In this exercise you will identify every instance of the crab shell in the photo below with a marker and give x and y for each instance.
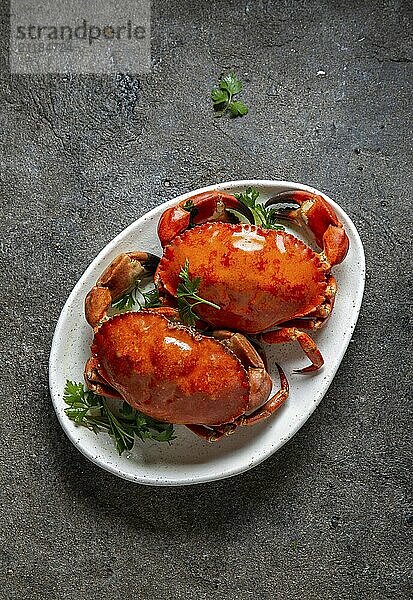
(172, 373)
(260, 278)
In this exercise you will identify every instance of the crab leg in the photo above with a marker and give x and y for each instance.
(201, 208)
(270, 406)
(313, 324)
(292, 334)
(118, 278)
(320, 217)
(213, 434)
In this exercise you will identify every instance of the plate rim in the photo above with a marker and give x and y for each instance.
(236, 468)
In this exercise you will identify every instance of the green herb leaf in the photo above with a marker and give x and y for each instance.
(219, 96)
(189, 206)
(187, 295)
(90, 410)
(264, 217)
(223, 98)
(151, 298)
(126, 302)
(148, 299)
(249, 197)
(238, 109)
(231, 84)
(83, 405)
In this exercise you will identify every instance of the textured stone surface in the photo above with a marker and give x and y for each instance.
(330, 515)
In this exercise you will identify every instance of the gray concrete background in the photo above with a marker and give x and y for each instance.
(330, 515)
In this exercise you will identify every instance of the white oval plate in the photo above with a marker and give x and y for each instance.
(188, 459)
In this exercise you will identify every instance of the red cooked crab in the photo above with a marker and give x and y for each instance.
(168, 371)
(260, 278)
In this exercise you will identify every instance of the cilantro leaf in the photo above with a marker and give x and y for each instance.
(126, 302)
(187, 295)
(90, 410)
(249, 197)
(151, 298)
(264, 217)
(231, 84)
(223, 97)
(238, 109)
(134, 296)
(219, 96)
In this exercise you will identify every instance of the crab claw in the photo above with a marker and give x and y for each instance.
(201, 208)
(119, 277)
(291, 334)
(320, 217)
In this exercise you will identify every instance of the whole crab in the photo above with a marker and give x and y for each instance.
(210, 383)
(260, 278)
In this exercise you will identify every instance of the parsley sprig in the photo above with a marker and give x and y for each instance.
(187, 294)
(223, 97)
(137, 296)
(264, 217)
(90, 410)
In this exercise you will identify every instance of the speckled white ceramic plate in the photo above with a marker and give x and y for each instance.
(188, 459)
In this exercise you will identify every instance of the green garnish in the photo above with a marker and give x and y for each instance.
(222, 97)
(136, 296)
(264, 217)
(90, 410)
(193, 211)
(151, 298)
(187, 294)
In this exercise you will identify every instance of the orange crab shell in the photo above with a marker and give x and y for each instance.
(169, 372)
(259, 277)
